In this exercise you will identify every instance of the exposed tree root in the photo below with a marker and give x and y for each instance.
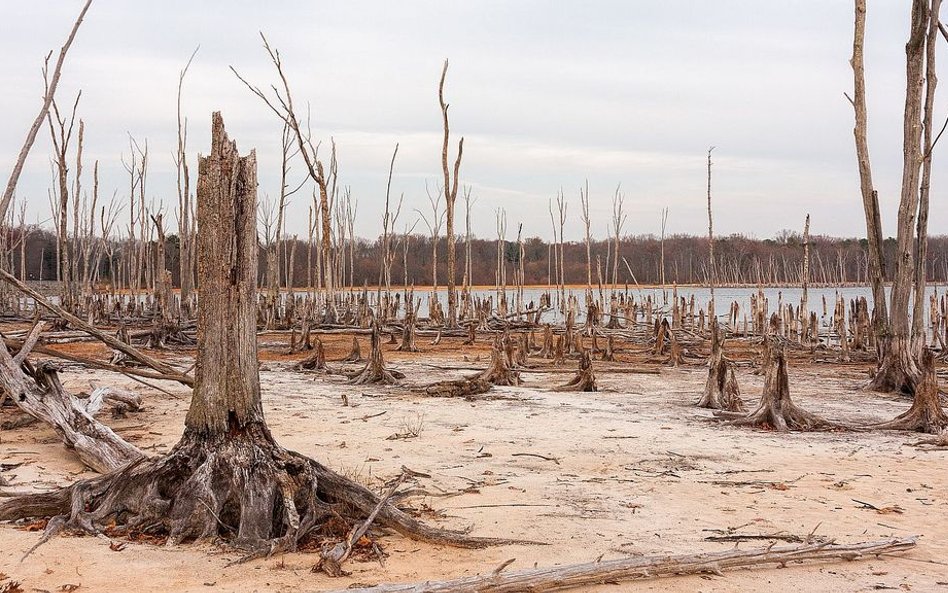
(776, 410)
(243, 489)
(585, 379)
(926, 413)
(721, 391)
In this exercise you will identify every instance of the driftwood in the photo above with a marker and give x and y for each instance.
(40, 394)
(585, 379)
(558, 578)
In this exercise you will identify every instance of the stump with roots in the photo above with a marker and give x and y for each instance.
(471, 333)
(408, 333)
(226, 479)
(315, 361)
(585, 379)
(721, 391)
(608, 354)
(374, 370)
(926, 413)
(776, 410)
(499, 371)
(355, 354)
(559, 354)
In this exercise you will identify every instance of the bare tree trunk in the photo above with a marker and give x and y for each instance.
(450, 196)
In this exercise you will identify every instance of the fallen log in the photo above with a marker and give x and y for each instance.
(558, 578)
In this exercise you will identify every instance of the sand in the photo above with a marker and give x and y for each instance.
(634, 469)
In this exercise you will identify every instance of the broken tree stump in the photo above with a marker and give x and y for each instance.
(721, 391)
(374, 370)
(776, 410)
(499, 371)
(585, 379)
(926, 413)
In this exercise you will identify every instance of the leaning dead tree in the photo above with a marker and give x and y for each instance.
(721, 391)
(776, 410)
(52, 82)
(226, 478)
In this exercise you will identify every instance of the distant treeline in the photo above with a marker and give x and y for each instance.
(740, 260)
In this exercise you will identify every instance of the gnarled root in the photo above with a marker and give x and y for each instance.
(241, 488)
(776, 409)
(926, 413)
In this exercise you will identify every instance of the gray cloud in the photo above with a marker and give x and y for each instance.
(547, 94)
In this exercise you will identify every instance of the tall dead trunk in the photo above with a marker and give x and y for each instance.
(898, 368)
(450, 196)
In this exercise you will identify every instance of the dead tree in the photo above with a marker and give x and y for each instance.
(721, 391)
(52, 82)
(450, 197)
(374, 370)
(712, 275)
(585, 379)
(898, 363)
(776, 410)
(499, 371)
(408, 330)
(226, 478)
(926, 413)
(185, 202)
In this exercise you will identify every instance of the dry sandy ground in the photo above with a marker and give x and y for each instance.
(638, 470)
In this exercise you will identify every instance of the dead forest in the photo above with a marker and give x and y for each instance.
(330, 412)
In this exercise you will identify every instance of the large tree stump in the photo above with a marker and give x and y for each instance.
(374, 370)
(776, 410)
(926, 413)
(355, 354)
(721, 391)
(226, 479)
(315, 361)
(499, 371)
(585, 379)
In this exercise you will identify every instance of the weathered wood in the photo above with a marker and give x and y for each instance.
(585, 379)
(570, 576)
(926, 413)
(721, 391)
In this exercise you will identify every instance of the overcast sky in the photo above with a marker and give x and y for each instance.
(547, 94)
